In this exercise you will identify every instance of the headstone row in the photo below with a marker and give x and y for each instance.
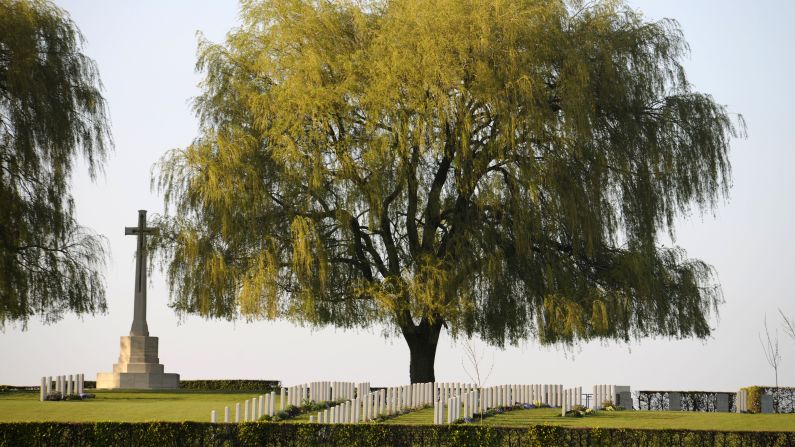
(326, 391)
(71, 385)
(253, 409)
(571, 397)
(383, 402)
(479, 400)
(516, 394)
(458, 399)
(250, 410)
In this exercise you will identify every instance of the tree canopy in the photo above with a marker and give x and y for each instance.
(51, 112)
(503, 169)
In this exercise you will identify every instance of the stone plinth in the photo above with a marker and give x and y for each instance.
(138, 367)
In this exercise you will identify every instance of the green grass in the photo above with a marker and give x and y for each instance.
(131, 406)
(188, 405)
(626, 419)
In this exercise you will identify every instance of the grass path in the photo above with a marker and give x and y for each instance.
(626, 419)
(132, 406)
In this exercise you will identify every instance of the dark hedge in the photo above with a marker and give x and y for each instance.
(230, 385)
(783, 398)
(691, 400)
(187, 434)
(199, 385)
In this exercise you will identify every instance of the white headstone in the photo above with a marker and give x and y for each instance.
(272, 404)
(237, 412)
(226, 414)
(212, 417)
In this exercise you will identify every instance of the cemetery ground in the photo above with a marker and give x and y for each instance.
(191, 405)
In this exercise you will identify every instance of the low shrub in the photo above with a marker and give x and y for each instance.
(292, 411)
(579, 411)
(55, 396)
(608, 405)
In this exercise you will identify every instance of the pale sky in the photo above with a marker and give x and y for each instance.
(741, 53)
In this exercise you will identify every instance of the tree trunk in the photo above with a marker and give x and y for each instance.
(422, 340)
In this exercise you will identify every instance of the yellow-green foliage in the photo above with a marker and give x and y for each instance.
(754, 398)
(500, 167)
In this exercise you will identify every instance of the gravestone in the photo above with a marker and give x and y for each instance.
(623, 396)
(625, 399)
(139, 366)
(675, 401)
(722, 402)
(766, 403)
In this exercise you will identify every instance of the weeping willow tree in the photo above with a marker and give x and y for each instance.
(501, 169)
(51, 112)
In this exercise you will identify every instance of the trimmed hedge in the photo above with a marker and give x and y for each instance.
(691, 400)
(784, 398)
(199, 385)
(230, 385)
(187, 434)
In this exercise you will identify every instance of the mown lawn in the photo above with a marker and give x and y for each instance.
(188, 405)
(627, 419)
(131, 406)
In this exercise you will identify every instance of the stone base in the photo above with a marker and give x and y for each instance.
(138, 367)
(141, 381)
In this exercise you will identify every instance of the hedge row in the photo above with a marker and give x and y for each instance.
(690, 400)
(783, 398)
(201, 385)
(187, 434)
(230, 385)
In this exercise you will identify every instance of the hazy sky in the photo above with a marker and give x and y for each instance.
(741, 54)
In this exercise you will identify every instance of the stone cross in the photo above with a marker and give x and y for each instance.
(139, 326)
